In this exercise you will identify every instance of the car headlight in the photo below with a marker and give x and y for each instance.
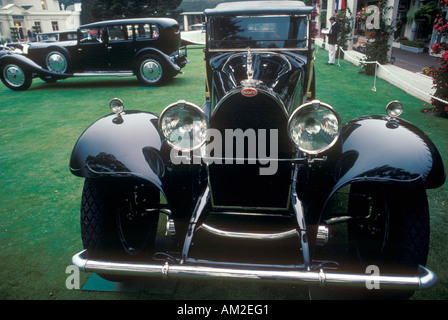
(314, 127)
(184, 126)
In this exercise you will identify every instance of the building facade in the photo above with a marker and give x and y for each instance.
(17, 17)
(416, 30)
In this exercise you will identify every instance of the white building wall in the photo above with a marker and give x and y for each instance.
(49, 18)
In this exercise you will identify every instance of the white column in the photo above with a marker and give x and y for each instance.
(391, 18)
(352, 5)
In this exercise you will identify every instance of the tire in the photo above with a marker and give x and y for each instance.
(57, 61)
(16, 77)
(151, 70)
(118, 221)
(390, 230)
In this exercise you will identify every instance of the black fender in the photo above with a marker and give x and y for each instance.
(120, 146)
(30, 65)
(386, 152)
(394, 152)
(170, 63)
(130, 147)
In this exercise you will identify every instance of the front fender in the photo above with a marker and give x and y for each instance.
(120, 146)
(394, 152)
(29, 64)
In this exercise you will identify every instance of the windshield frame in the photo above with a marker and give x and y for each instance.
(211, 43)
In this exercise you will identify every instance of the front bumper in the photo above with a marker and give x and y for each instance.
(424, 280)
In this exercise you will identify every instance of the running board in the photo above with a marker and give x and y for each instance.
(426, 278)
(99, 74)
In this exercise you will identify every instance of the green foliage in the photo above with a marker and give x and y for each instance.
(120, 9)
(414, 44)
(440, 73)
(344, 19)
(427, 11)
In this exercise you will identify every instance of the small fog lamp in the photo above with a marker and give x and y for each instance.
(116, 105)
(394, 109)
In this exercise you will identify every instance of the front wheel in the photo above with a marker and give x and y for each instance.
(151, 70)
(118, 221)
(390, 228)
(390, 231)
(16, 77)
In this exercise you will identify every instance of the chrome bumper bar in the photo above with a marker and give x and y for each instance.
(424, 280)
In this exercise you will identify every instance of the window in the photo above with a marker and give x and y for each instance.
(37, 27)
(54, 25)
(117, 33)
(91, 35)
(146, 31)
(44, 4)
(259, 32)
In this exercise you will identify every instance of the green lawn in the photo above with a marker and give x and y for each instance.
(40, 199)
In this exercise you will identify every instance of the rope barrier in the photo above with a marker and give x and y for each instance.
(378, 65)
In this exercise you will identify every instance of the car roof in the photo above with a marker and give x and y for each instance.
(164, 22)
(259, 7)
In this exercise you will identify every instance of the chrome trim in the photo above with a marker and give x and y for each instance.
(182, 104)
(104, 73)
(14, 75)
(426, 278)
(193, 261)
(202, 202)
(170, 229)
(315, 104)
(322, 235)
(249, 235)
(300, 217)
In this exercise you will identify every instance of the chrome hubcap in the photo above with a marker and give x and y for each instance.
(56, 62)
(151, 71)
(14, 75)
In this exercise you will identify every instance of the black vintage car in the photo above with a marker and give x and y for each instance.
(262, 182)
(57, 36)
(148, 48)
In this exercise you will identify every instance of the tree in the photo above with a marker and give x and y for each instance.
(440, 74)
(120, 9)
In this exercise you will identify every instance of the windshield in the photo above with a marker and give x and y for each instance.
(259, 32)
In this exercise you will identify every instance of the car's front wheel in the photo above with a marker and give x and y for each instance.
(16, 77)
(118, 221)
(151, 70)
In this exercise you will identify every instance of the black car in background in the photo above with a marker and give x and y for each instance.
(56, 36)
(148, 48)
(263, 182)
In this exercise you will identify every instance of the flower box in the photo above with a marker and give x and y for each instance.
(411, 49)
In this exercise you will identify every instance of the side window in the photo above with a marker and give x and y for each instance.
(130, 32)
(91, 35)
(146, 31)
(154, 31)
(117, 33)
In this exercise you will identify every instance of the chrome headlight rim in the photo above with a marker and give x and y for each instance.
(316, 104)
(182, 104)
